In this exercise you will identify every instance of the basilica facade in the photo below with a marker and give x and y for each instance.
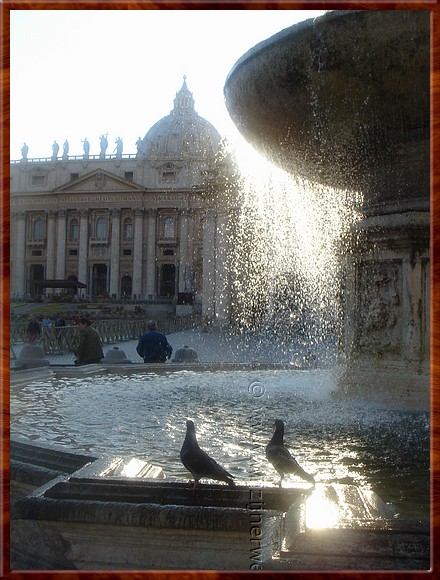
(149, 226)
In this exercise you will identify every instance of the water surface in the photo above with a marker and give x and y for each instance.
(144, 414)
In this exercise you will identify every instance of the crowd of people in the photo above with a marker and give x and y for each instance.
(36, 323)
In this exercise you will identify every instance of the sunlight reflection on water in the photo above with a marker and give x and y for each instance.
(143, 415)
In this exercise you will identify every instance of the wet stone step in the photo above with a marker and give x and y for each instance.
(176, 493)
(344, 542)
(48, 457)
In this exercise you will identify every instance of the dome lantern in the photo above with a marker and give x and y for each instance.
(182, 134)
(184, 100)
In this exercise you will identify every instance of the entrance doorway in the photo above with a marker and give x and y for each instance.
(36, 272)
(126, 287)
(167, 280)
(99, 280)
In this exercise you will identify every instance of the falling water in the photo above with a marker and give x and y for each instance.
(287, 243)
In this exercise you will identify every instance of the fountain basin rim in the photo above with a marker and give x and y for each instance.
(275, 38)
(24, 376)
(288, 98)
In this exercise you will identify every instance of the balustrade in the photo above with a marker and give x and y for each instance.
(61, 339)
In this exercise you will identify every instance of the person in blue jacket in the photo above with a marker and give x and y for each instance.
(153, 345)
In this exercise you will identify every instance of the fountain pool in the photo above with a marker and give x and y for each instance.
(143, 414)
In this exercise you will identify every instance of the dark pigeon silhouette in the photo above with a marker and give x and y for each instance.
(198, 462)
(278, 455)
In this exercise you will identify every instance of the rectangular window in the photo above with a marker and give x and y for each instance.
(169, 227)
(37, 253)
(128, 230)
(169, 176)
(73, 252)
(168, 252)
(38, 180)
(129, 175)
(74, 231)
(74, 176)
(126, 252)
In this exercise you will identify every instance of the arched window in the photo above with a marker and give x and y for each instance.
(128, 229)
(169, 229)
(38, 229)
(101, 228)
(74, 230)
(126, 286)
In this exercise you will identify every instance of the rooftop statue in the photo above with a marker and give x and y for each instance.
(65, 149)
(24, 151)
(55, 149)
(86, 147)
(104, 144)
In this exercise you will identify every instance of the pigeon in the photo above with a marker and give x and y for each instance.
(278, 455)
(198, 461)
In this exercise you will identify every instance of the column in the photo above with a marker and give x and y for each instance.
(61, 245)
(137, 251)
(114, 252)
(83, 247)
(50, 250)
(150, 288)
(183, 253)
(18, 279)
(221, 272)
(208, 284)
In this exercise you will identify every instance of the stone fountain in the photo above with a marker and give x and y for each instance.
(343, 100)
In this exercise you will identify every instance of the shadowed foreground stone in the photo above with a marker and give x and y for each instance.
(32, 356)
(109, 513)
(108, 523)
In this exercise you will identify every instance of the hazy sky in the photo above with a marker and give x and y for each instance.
(81, 73)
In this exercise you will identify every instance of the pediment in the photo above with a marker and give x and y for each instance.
(98, 181)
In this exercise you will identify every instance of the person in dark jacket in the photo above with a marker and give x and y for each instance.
(90, 346)
(153, 345)
(33, 330)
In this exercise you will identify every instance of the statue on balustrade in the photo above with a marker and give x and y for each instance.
(65, 149)
(86, 147)
(119, 147)
(104, 144)
(24, 151)
(55, 149)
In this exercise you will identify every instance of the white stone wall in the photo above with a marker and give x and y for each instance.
(115, 189)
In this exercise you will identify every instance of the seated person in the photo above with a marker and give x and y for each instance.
(153, 345)
(90, 346)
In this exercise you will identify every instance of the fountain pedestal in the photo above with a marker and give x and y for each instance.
(387, 322)
(344, 101)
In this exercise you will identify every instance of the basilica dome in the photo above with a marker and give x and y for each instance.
(182, 133)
